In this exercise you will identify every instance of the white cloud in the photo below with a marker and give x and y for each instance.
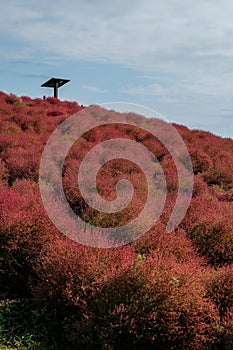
(210, 84)
(147, 90)
(147, 35)
(95, 89)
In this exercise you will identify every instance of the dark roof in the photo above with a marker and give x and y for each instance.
(52, 82)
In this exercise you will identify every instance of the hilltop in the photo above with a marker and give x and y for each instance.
(163, 291)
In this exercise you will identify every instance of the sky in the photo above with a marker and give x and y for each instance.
(174, 56)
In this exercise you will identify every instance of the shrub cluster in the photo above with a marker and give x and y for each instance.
(163, 291)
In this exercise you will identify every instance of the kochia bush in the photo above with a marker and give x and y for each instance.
(162, 291)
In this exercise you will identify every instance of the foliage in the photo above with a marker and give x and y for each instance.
(162, 291)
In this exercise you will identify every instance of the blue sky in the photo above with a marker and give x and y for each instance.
(174, 56)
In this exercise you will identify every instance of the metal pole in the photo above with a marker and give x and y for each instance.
(56, 90)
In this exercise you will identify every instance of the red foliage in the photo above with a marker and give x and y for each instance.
(209, 223)
(220, 289)
(23, 227)
(157, 303)
(165, 291)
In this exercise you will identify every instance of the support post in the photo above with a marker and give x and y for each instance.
(56, 89)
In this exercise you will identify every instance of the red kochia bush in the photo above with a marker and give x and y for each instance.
(23, 226)
(23, 164)
(210, 226)
(157, 303)
(3, 173)
(125, 297)
(164, 291)
(201, 161)
(68, 273)
(175, 244)
(220, 289)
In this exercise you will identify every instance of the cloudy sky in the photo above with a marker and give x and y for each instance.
(174, 56)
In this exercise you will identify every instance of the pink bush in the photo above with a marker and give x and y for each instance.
(163, 291)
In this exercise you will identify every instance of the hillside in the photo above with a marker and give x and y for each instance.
(161, 291)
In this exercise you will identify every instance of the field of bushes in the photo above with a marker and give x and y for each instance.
(162, 291)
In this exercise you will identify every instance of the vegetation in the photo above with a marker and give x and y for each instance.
(163, 291)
